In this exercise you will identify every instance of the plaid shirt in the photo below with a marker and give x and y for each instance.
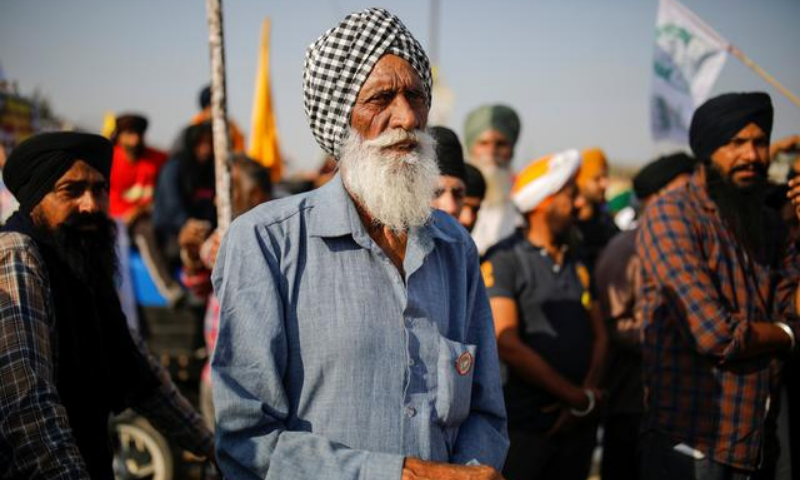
(700, 295)
(35, 437)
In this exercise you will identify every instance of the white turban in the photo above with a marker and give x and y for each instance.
(543, 178)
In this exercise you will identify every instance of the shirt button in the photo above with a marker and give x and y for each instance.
(410, 412)
(410, 362)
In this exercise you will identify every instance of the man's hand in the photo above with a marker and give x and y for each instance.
(566, 420)
(416, 469)
(209, 250)
(787, 144)
(193, 233)
(191, 237)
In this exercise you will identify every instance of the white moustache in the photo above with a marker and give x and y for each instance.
(394, 137)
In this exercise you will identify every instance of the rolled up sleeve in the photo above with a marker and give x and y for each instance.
(670, 251)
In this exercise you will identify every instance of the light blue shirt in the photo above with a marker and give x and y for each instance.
(330, 365)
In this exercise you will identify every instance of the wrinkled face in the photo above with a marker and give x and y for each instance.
(560, 213)
(449, 195)
(492, 148)
(82, 190)
(744, 160)
(393, 97)
(594, 188)
(130, 140)
(469, 212)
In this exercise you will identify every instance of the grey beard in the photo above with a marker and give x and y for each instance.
(395, 189)
(498, 183)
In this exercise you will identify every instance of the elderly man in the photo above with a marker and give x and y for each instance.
(355, 338)
(67, 359)
(490, 134)
(718, 292)
(552, 345)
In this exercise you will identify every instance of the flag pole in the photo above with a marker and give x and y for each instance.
(219, 114)
(763, 74)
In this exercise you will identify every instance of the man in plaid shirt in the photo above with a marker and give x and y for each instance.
(719, 288)
(67, 359)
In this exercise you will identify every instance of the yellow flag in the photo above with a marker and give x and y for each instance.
(264, 132)
(109, 124)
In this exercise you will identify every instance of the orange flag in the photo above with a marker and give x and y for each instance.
(264, 132)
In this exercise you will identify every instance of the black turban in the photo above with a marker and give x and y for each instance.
(658, 173)
(131, 122)
(449, 155)
(476, 184)
(34, 167)
(718, 120)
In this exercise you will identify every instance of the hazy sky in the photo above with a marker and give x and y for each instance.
(578, 71)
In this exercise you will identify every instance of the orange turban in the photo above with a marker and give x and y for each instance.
(594, 161)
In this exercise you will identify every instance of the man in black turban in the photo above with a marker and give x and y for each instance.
(659, 174)
(451, 190)
(731, 135)
(476, 191)
(67, 359)
(719, 120)
(719, 283)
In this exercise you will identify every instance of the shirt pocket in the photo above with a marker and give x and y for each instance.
(455, 369)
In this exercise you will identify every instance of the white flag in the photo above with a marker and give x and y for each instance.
(689, 56)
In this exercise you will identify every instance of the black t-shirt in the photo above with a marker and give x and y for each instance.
(552, 302)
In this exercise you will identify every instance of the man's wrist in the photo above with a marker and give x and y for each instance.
(789, 332)
(592, 401)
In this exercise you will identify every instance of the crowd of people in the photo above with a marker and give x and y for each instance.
(424, 312)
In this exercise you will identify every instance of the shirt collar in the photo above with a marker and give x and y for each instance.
(333, 213)
(435, 230)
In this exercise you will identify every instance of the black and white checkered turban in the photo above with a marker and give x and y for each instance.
(339, 62)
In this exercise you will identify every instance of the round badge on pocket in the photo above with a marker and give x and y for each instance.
(464, 363)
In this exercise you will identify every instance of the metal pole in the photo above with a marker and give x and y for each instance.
(219, 114)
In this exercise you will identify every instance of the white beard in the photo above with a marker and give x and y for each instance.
(396, 189)
(499, 181)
